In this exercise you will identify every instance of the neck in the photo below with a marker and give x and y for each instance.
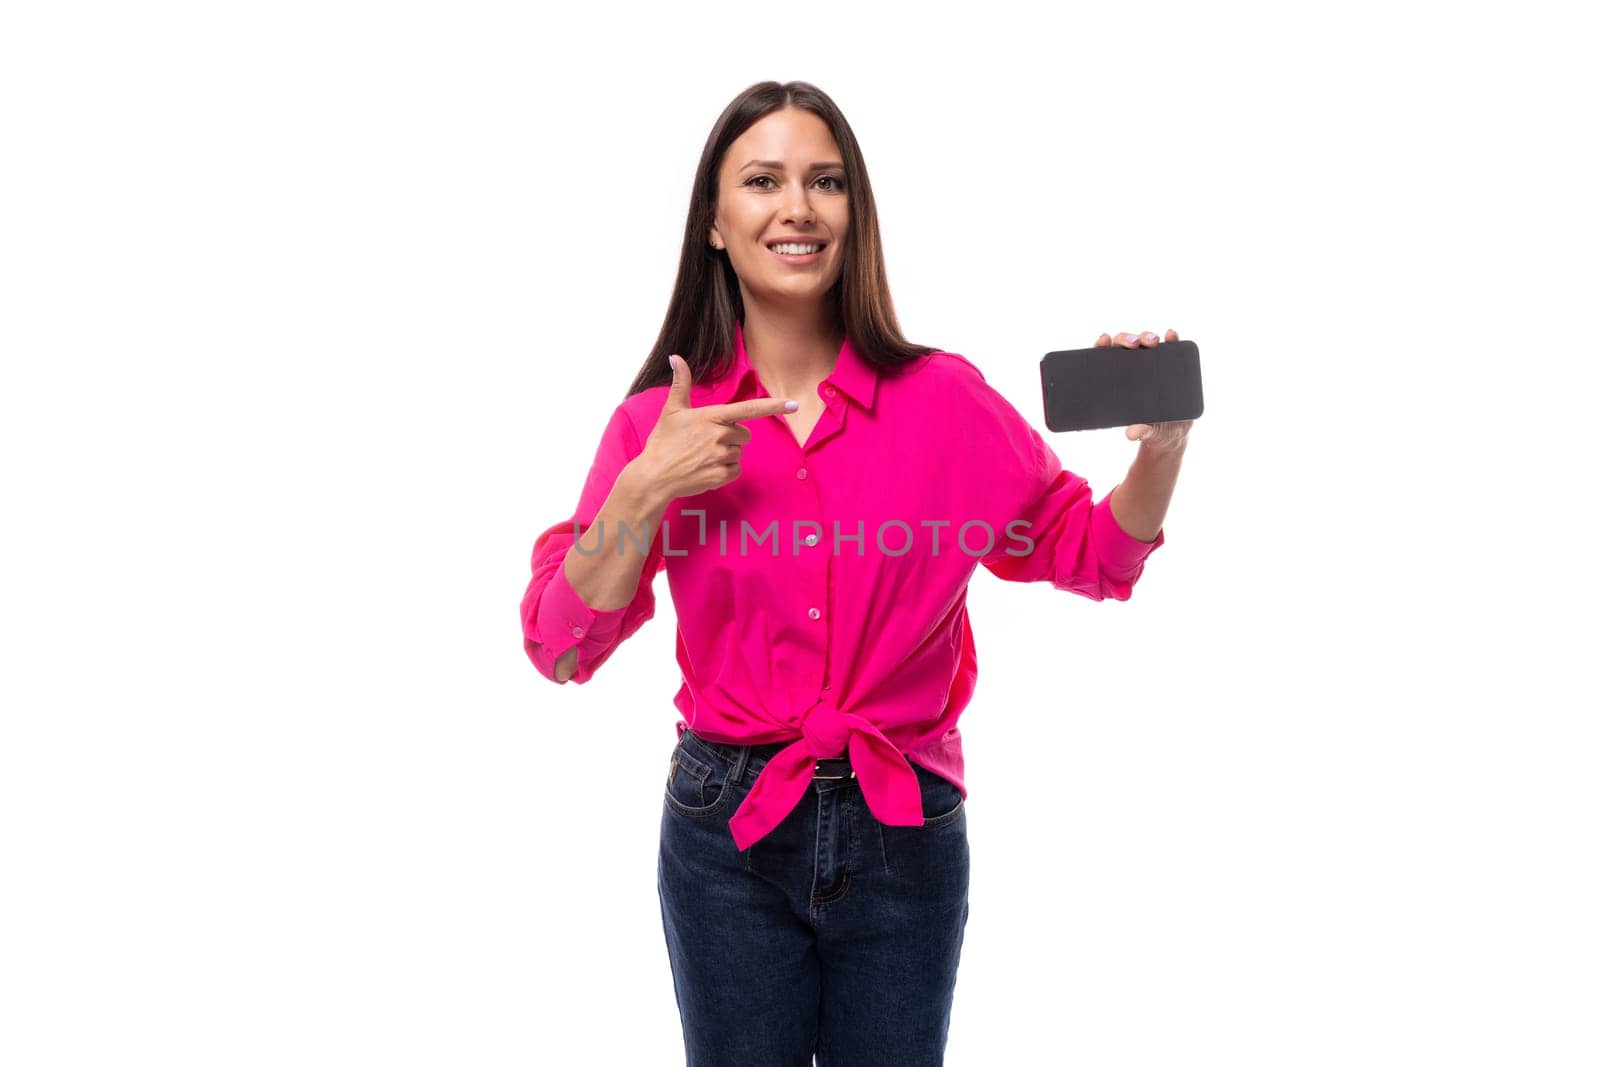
(791, 349)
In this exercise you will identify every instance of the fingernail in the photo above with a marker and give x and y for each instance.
(791, 405)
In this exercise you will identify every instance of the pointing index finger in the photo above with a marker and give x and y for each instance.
(751, 409)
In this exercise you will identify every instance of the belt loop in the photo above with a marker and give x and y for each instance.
(739, 764)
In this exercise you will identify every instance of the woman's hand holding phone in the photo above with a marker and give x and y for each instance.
(1158, 436)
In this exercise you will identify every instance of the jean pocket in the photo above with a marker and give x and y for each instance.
(942, 802)
(697, 783)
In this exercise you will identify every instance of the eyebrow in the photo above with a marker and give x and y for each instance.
(777, 165)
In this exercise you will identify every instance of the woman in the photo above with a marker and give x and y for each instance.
(819, 492)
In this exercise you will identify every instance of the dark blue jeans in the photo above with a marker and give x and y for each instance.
(834, 935)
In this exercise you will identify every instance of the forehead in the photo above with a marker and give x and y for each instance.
(796, 137)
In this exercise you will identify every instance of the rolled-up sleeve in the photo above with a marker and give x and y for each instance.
(555, 618)
(1077, 544)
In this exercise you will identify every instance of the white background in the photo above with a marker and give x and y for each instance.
(313, 313)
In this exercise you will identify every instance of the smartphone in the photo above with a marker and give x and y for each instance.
(1096, 388)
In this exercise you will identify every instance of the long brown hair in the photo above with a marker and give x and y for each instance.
(706, 301)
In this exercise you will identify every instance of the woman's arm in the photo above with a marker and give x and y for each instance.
(1139, 502)
(608, 579)
(569, 631)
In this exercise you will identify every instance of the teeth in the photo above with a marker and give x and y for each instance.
(796, 250)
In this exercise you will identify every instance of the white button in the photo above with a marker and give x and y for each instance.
(801, 473)
(814, 613)
(577, 631)
(811, 539)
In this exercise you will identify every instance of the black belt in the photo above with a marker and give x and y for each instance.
(834, 767)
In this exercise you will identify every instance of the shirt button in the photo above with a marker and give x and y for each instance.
(828, 390)
(577, 631)
(811, 539)
(814, 613)
(801, 473)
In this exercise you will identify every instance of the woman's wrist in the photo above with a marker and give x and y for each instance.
(641, 499)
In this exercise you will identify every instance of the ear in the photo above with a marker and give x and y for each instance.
(716, 239)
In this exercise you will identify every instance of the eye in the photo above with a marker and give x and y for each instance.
(838, 183)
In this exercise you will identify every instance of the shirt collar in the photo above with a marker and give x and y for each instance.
(852, 375)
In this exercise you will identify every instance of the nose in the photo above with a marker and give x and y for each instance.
(797, 206)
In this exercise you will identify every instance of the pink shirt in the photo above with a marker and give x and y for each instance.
(821, 595)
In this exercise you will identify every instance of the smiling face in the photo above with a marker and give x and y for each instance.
(783, 178)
